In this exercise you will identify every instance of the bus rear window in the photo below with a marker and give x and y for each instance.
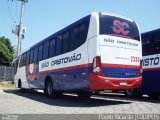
(110, 25)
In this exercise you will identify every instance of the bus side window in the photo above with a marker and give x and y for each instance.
(59, 44)
(24, 59)
(15, 65)
(21, 61)
(157, 37)
(157, 42)
(52, 45)
(28, 57)
(144, 49)
(35, 54)
(40, 52)
(83, 31)
(45, 50)
(148, 44)
(31, 56)
(145, 39)
(74, 39)
(65, 42)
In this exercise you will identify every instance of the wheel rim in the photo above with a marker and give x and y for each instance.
(130, 92)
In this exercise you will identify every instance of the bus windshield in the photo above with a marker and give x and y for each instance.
(111, 25)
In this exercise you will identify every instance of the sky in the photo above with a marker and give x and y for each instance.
(44, 17)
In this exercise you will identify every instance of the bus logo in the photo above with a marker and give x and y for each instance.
(120, 27)
(31, 71)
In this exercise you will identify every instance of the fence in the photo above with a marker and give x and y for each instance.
(6, 73)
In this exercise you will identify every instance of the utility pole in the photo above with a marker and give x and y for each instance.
(20, 26)
(20, 30)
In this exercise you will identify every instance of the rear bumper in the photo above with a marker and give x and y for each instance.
(106, 83)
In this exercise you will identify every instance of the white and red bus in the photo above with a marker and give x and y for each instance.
(101, 51)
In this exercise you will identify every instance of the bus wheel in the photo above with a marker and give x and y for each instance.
(84, 95)
(153, 95)
(133, 93)
(49, 88)
(22, 90)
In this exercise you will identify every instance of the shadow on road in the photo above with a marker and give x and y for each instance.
(67, 100)
(121, 96)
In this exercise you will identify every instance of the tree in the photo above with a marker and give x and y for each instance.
(6, 51)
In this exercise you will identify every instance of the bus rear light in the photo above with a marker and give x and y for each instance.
(97, 66)
(140, 71)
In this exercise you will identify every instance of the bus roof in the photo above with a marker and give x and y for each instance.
(152, 31)
(115, 15)
(72, 25)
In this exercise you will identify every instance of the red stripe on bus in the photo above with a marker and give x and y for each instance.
(67, 68)
(151, 69)
(120, 66)
(89, 65)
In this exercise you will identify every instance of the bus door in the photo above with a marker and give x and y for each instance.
(31, 70)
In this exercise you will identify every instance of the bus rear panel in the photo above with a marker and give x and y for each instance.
(118, 62)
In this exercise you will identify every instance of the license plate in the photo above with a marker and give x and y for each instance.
(123, 83)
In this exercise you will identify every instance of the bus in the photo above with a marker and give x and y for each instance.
(101, 51)
(151, 65)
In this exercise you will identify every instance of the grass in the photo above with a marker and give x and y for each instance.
(6, 85)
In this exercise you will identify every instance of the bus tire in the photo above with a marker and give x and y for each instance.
(84, 95)
(153, 95)
(49, 89)
(22, 90)
(132, 93)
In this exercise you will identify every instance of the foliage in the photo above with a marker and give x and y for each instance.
(6, 51)
(7, 84)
